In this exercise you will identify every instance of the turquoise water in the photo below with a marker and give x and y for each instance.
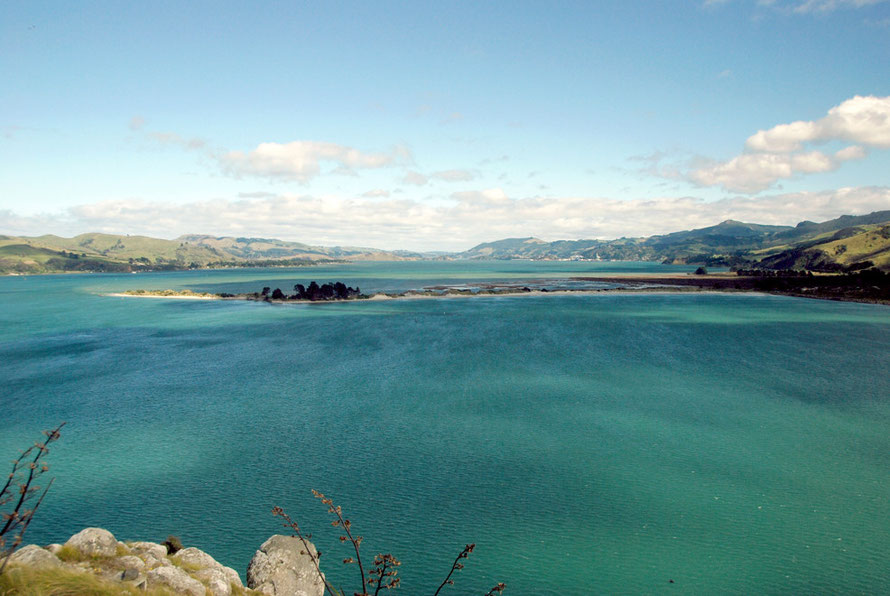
(587, 444)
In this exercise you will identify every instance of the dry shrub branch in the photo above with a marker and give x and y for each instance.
(383, 575)
(20, 491)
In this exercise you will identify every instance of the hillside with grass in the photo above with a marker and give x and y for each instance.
(850, 242)
(834, 245)
(123, 253)
(853, 247)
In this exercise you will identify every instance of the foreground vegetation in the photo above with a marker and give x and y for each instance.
(94, 562)
(28, 581)
(382, 573)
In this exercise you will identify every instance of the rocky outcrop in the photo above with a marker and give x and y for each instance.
(141, 565)
(94, 541)
(176, 580)
(34, 556)
(216, 576)
(282, 567)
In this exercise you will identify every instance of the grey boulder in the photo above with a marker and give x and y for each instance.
(34, 556)
(282, 567)
(94, 541)
(176, 580)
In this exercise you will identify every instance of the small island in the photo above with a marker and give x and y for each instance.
(866, 285)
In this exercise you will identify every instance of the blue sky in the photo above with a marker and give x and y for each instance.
(440, 125)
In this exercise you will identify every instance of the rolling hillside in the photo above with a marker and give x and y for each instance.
(828, 246)
(112, 252)
(848, 242)
(848, 247)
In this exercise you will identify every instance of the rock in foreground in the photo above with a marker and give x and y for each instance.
(124, 567)
(282, 567)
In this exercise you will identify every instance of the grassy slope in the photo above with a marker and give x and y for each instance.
(872, 244)
(843, 247)
(17, 255)
(112, 252)
(123, 248)
(26, 581)
(270, 248)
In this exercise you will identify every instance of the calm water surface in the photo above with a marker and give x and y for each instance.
(598, 443)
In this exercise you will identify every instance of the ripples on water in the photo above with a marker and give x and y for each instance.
(734, 444)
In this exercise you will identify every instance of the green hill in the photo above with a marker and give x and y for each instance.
(828, 246)
(847, 242)
(849, 247)
(18, 256)
(113, 252)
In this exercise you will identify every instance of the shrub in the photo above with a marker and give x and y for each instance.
(173, 544)
(20, 491)
(383, 574)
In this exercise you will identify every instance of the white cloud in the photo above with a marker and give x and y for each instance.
(783, 138)
(415, 178)
(850, 153)
(453, 175)
(864, 120)
(418, 179)
(457, 223)
(302, 160)
(778, 153)
(171, 138)
(376, 193)
(805, 6)
(830, 5)
(754, 172)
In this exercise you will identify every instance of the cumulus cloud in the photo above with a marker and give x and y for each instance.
(302, 160)
(751, 173)
(830, 5)
(260, 194)
(415, 178)
(863, 120)
(850, 153)
(418, 179)
(459, 222)
(805, 6)
(171, 138)
(453, 175)
(779, 152)
(376, 193)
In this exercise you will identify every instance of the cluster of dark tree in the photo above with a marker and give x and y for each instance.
(773, 273)
(269, 263)
(709, 260)
(82, 264)
(865, 284)
(314, 292)
(808, 272)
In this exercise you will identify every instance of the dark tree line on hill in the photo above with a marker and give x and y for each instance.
(314, 292)
(863, 284)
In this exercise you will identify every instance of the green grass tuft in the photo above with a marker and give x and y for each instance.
(27, 581)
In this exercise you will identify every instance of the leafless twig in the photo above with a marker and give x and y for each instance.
(20, 488)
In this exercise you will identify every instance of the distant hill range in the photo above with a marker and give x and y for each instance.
(112, 252)
(848, 242)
